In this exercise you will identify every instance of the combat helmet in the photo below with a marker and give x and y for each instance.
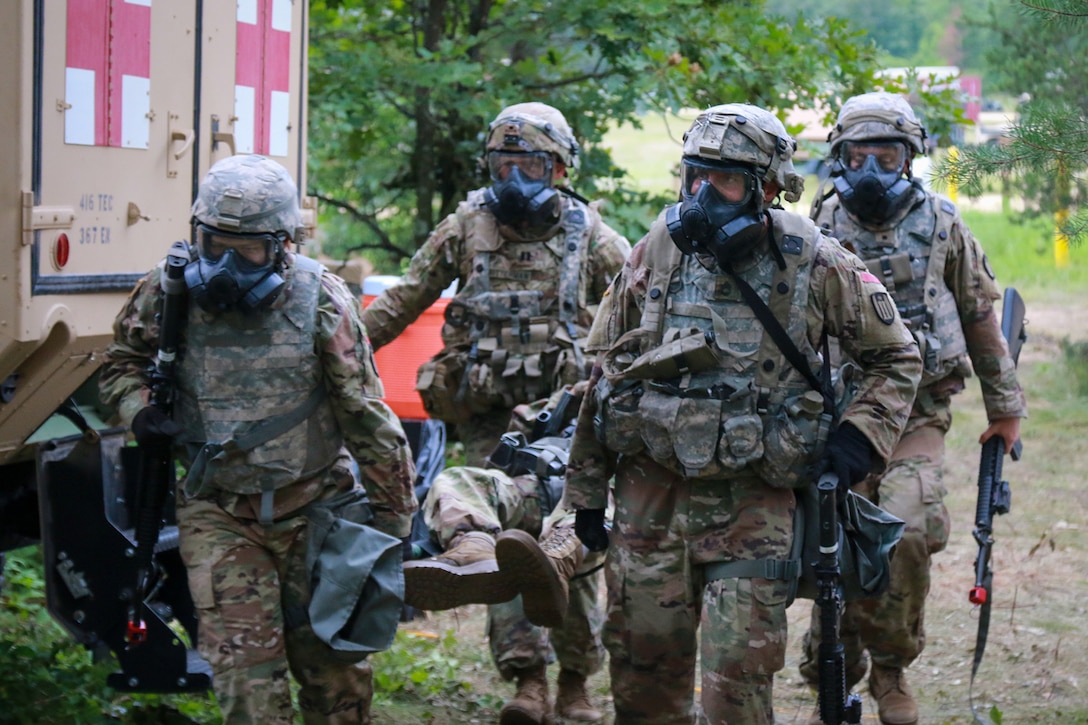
(877, 115)
(533, 127)
(747, 134)
(249, 194)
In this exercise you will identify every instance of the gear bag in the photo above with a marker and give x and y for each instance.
(357, 580)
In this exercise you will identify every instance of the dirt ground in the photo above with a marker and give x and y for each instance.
(1035, 668)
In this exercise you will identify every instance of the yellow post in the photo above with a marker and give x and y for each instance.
(1061, 241)
(952, 189)
(1061, 216)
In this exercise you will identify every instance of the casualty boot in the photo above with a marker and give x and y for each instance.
(572, 701)
(894, 698)
(467, 573)
(530, 705)
(543, 571)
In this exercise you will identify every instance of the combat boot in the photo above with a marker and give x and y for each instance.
(467, 573)
(543, 571)
(572, 701)
(894, 698)
(530, 705)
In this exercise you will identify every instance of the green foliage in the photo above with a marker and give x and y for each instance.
(1043, 55)
(427, 667)
(1075, 357)
(47, 678)
(401, 93)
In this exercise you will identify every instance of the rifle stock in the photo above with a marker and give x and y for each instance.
(836, 704)
(156, 466)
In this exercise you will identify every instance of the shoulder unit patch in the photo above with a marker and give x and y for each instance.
(883, 306)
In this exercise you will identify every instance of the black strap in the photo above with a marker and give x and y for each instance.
(786, 344)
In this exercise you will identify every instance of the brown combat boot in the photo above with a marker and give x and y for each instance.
(894, 698)
(467, 573)
(572, 701)
(543, 571)
(530, 705)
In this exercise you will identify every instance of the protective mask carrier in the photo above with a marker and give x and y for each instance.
(520, 202)
(870, 192)
(231, 282)
(706, 223)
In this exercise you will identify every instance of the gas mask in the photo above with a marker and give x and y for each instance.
(522, 196)
(868, 177)
(719, 213)
(236, 271)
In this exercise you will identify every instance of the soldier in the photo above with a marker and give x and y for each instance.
(531, 260)
(944, 287)
(276, 369)
(512, 503)
(704, 404)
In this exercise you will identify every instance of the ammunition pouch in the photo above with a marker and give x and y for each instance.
(794, 436)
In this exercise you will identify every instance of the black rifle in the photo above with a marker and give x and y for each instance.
(156, 464)
(836, 704)
(994, 494)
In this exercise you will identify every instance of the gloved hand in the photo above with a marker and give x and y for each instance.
(152, 427)
(850, 455)
(590, 529)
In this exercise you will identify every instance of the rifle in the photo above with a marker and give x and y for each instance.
(156, 463)
(994, 494)
(836, 704)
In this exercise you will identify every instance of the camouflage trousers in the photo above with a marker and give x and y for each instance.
(663, 614)
(243, 576)
(465, 499)
(892, 627)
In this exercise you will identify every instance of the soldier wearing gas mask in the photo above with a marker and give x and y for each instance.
(708, 424)
(531, 259)
(942, 283)
(276, 394)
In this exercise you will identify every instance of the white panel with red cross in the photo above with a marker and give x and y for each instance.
(107, 73)
(262, 77)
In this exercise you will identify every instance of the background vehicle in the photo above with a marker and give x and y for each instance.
(113, 110)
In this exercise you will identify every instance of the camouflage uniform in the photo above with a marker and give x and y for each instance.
(243, 535)
(696, 440)
(514, 330)
(475, 499)
(944, 287)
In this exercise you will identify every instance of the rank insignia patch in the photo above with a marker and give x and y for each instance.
(884, 307)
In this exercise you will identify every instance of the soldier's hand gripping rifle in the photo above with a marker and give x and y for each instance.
(994, 494)
(156, 462)
(836, 704)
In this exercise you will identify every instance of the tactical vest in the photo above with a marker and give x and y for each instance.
(910, 260)
(699, 386)
(239, 372)
(513, 333)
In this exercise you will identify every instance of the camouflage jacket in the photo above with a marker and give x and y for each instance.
(930, 231)
(450, 253)
(372, 433)
(843, 300)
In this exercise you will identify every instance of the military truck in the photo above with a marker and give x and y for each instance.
(112, 112)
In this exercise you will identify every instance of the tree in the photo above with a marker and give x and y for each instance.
(1043, 57)
(401, 92)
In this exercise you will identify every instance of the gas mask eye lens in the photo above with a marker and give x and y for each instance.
(533, 166)
(888, 155)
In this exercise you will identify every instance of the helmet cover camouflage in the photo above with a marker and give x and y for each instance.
(249, 194)
(749, 135)
(533, 127)
(877, 115)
